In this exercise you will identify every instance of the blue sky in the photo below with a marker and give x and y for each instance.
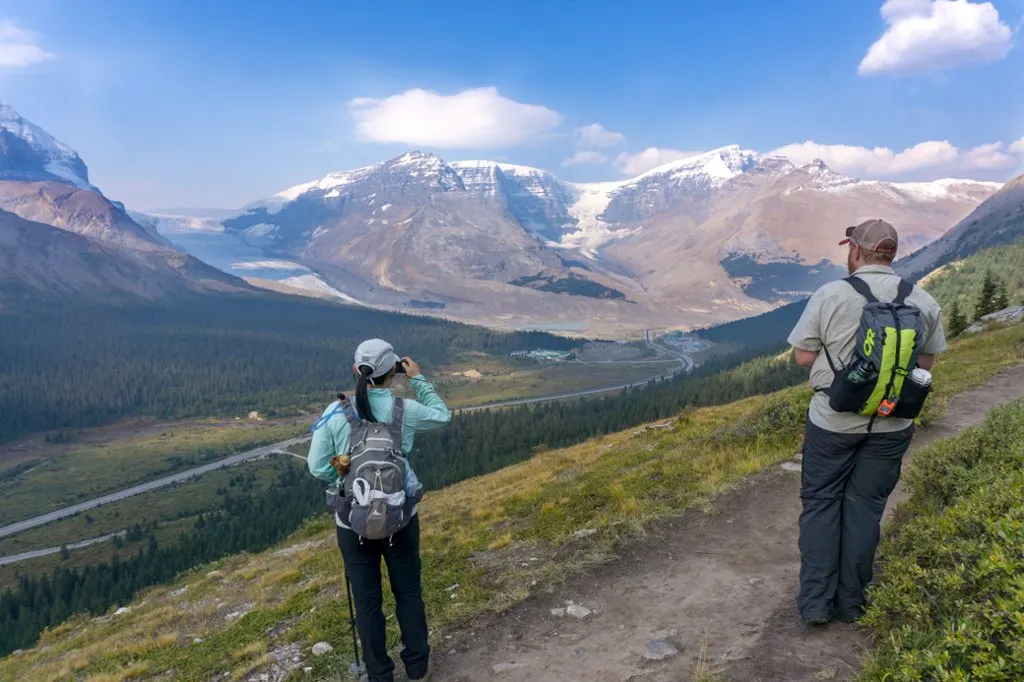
(194, 103)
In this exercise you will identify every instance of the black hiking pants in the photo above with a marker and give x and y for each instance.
(845, 483)
(402, 556)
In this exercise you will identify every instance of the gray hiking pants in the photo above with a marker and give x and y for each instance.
(845, 483)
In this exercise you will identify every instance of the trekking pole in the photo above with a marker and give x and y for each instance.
(352, 620)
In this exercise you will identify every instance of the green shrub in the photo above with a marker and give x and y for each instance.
(950, 604)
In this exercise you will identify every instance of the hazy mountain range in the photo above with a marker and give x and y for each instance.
(709, 238)
(713, 237)
(60, 236)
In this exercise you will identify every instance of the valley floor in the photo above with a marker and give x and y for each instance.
(718, 585)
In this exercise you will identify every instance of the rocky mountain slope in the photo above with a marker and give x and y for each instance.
(62, 236)
(27, 152)
(408, 233)
(40, 262)
(999, 220)
(705, 239)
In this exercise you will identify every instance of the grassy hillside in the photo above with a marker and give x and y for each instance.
(961, 281)
(487, 543)
(950, 604)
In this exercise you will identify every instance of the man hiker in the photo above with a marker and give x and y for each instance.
(869, 341)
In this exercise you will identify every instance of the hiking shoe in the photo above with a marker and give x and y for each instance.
(849, 616)
(427, 675)
(817, 621)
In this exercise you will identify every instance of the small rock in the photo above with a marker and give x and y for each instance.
(197, 640)
(791, 466)
(308, 669)
(558, 613)
(584, 533)
(321, 648)
(499, 668)
(755, 581)
(123, 610)
(659, 650)
(578, 611)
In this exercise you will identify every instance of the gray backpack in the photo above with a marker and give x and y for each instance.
(372, 499)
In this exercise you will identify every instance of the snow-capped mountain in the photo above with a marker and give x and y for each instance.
(27, 152)
(51, 217)
(709, 237)
(539, 201)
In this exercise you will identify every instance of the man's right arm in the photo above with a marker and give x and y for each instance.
(806, 335)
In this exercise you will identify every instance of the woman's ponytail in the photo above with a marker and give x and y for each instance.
(362, 397)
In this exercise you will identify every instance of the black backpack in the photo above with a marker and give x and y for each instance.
(877, 382)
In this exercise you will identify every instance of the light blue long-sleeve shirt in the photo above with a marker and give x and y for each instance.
(427, 412)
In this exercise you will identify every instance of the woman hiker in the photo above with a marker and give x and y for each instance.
(376, 365)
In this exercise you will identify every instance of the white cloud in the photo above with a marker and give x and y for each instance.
(988, 156)
(933, 35)
(596, 136)
(652, 157)
(18, 47)
(882, 161)
(472, 119)
(588, 158)
(877, 161)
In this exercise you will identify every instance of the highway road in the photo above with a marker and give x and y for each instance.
(20, 526)
(685, 365)
(36, 553)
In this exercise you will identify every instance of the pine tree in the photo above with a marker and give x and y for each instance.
(986, 301)
(957, 322)
(1000, 301)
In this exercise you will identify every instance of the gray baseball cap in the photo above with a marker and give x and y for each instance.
(377, 354)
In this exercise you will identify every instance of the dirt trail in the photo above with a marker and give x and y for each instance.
(728, 578)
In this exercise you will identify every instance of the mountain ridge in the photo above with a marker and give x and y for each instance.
(62, 236)
(701, 240)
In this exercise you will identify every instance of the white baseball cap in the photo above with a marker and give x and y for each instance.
(377, 354)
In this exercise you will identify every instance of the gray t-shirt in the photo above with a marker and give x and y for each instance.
(832, 319)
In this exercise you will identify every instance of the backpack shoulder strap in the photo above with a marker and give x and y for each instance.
(397, 420)
(350, 413)
(906, 288)
(862, 288)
